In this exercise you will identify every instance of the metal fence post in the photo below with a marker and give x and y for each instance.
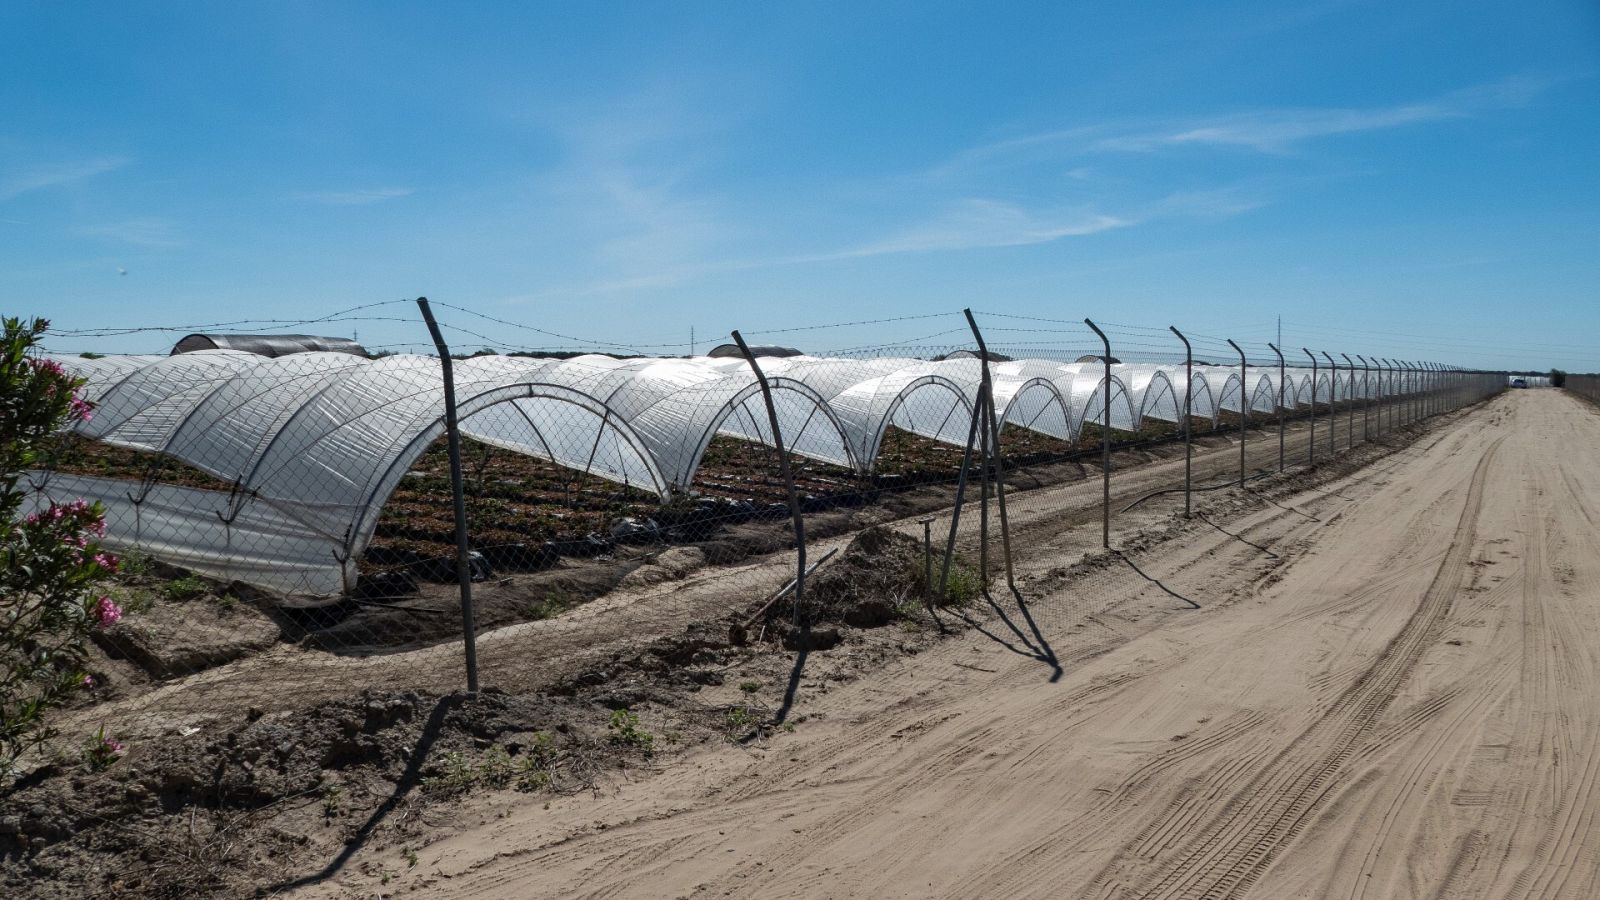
(1402, 390)
(1280, 403)
(1405, 392)
(1105, 444)
(1351, 395)
(469, 630)
(1244, 407)
(1383, 392)
(1394, 394)
(991, 425)
(1399, 393)
(1312, 458)
(984, 452)
(1416, 392)
(788, 475)
(1366, 399)
(1408, 397)
(1188, 400)
(1333, 411)
(955, 509)
(1419, 408)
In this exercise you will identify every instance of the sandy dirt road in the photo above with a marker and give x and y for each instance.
(1400, 704)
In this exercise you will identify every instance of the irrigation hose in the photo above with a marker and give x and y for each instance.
(1260, 473)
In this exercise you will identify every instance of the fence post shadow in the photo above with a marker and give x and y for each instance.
(795, 675)
(409, 779)
(1155, 581)
(1248, 543)
(1031, 644)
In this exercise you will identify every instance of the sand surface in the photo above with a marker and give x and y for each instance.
(1390, 691)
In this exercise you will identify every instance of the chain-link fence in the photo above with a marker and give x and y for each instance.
(1586, 386)
(287, 523)
(289, 532)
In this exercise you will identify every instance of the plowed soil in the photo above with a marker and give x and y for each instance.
(1388, 689)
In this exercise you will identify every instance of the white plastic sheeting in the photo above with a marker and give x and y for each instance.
(313, 444)
(260, 545)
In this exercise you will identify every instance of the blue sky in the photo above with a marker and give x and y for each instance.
(1372, 172)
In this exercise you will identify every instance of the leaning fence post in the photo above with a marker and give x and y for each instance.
(983, 485)
(1280, 403)
(1244, 407)
(788, 475)
(1105, 445)
(1313, 457)
(955, 509)
(469, 630)
(991, 425)
(1188, 400)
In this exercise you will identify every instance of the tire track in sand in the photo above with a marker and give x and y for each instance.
(1231, 852)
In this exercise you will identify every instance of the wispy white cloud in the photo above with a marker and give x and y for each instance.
(1277, 131)
(636, 183)
(142, 232)
(359, 197)
(979, 223)
(1214, 203)
(633, 180)
(972, 224)
(1263, 130)
(51, 175)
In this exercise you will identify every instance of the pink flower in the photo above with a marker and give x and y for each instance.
(49, 366)
(88, 680)
(106, 613)
(101, 751)
(106, 561)
(79, 409)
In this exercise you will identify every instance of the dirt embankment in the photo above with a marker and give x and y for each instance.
(226, 811)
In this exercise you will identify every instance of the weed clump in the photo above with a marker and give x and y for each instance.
(626, 732)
